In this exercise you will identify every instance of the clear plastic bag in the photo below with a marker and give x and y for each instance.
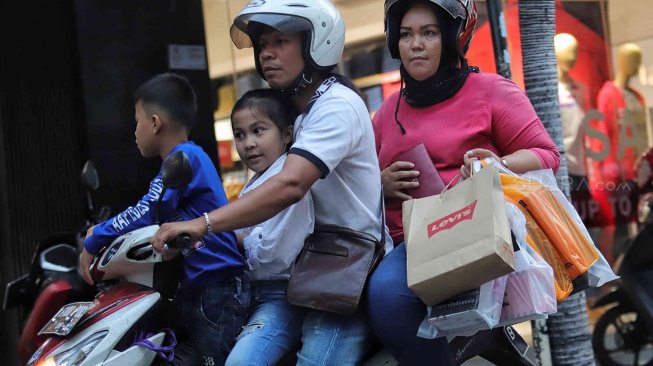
(467, 313)
(565, 244)
(530, 291)
(600, 271)
(574, 247)
(527, 231)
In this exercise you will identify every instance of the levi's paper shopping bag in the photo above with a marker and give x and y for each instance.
(458, 240)
(406, 211)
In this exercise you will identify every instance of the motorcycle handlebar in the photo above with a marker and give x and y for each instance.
(181, 241)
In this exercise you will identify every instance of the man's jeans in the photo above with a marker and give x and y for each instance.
(332, 339)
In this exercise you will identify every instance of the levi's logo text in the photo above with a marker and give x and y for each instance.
(451, 220)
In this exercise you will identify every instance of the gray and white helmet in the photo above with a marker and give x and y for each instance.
(319, 18)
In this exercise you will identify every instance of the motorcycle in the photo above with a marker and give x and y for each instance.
(53, 280)
(123, 324)
(623, 335)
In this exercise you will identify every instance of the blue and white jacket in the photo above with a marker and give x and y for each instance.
(216, 256)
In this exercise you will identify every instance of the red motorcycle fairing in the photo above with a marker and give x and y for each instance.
(53, 297)
(105, 304)
(112, 300)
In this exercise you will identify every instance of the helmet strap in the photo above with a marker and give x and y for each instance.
(303, 80)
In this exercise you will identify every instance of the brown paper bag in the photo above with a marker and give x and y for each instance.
(458, 240)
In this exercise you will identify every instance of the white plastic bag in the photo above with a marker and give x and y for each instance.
(467, 313)
(530, 291)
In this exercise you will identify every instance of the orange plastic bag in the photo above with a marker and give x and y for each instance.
(537, 240)
(573, 247)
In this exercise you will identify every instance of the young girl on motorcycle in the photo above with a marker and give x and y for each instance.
(262, 122)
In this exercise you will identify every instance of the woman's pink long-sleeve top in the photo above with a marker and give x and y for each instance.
(488, 112)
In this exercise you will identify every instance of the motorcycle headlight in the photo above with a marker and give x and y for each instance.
(75, 355)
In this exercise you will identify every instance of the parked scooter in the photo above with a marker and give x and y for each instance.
(623, 335)
(53, 279)
(123, 324)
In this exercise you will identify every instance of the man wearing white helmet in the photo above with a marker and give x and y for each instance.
(296, 45)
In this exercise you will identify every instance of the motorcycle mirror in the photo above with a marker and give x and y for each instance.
(89, 176)
(176, 170)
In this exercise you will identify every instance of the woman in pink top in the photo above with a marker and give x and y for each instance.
(457, 113)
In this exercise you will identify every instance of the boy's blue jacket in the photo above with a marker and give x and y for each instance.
(216, 257)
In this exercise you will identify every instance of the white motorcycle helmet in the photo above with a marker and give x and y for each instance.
(321, 20)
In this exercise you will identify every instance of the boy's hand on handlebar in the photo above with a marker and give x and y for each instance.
(397, 177)
(169, 232)
(85, 259)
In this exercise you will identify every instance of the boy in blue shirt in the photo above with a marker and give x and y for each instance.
(212, 299)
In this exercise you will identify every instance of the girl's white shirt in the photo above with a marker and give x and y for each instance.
(272, 246)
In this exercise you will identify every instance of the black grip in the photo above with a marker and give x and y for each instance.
(181, 241)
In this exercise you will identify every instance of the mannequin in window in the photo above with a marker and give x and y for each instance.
(625, 126)
(624, 116)
(574, 102)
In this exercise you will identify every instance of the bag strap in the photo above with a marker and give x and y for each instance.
(323, 88)
(326, 85)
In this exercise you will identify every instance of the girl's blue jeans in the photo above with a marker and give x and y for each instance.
(273, 327)
(276, 327)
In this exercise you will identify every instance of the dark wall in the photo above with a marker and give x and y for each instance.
(42, 133)
(122, 44)
(68, 69)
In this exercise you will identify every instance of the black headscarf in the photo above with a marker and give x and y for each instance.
(448, 79)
